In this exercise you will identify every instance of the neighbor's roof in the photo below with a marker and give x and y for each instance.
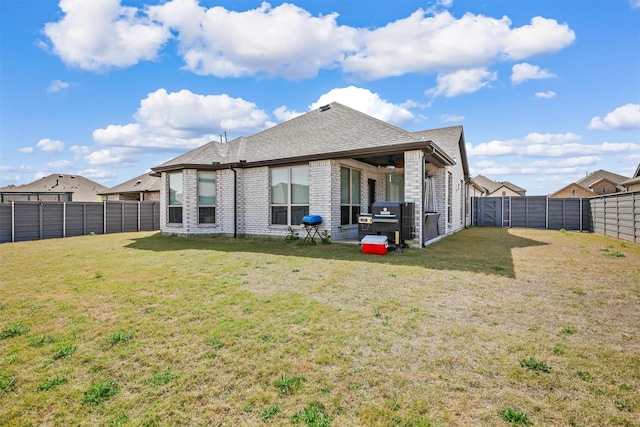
(491, 186)
(332, 131)
(599, 175)
(144, 182)
(83, 189)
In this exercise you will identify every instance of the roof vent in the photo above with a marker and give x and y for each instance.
(138, 182)
(325, 108)
(60, 176)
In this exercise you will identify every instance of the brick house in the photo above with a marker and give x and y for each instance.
(498, 188)
(333, 161)
(141, 188)
(597, 183)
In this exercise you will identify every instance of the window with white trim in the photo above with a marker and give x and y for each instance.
(289, 195)
(206, 197)
(175, 198)
(350, 189)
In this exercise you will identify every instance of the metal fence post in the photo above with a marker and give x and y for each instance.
(64, 219)
(13, 221)
(104, 217)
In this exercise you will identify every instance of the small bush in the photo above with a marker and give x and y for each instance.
(315, 415)
(287, 384)
(51, 383)
(13, 331)
(514, 416)
(100, 392)
(535, 365)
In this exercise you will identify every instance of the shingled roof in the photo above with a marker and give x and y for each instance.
(83, 189)
(331, 131)
(597, 176)
(451, 140)
(144, 182)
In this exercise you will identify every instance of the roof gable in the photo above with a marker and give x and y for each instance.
(598, 175)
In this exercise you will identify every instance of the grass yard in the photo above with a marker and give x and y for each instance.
(489, 327)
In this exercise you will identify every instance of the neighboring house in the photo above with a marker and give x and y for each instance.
(596, 183)
(144, 188)
(632, 184)
(333, 161)
(55, 187)
(498, 189)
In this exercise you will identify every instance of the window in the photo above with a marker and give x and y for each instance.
(573, 192)
(395, 188)
(450, 197)
(349, 196)
(206, 197)
(175, 198)
(289, 195)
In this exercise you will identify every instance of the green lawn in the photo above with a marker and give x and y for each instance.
(485, 327)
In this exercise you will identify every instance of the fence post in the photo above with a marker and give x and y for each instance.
(121, 217)
(139, 216)
(64, 219)
(40, 222)
(581, 213)
(13, 221)
(104, 217)
(546, 213)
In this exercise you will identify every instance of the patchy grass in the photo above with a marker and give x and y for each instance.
(206, 327)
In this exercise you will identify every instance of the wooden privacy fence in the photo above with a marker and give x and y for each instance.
(21, 221)
(616, 215)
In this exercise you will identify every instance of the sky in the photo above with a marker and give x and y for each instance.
(547, 91)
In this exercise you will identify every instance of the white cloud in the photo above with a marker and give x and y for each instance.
(366, 102)
(95, 173)
(635, 4)
(57, 86)
(524, 71)
(99, 34)
(625, 117)
(551, 138)
(108, 157)
(461, 82)
(289, 41)
(50, 146)
(442, 43)
(282, 114)
(542, 35)
(545, 95)
(448, 118)
(550, 145)
(183, 120)
(59, 165)
(579, 161)
(25, 150)
(285, 40)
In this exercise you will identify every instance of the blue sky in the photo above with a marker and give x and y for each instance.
(546, 90)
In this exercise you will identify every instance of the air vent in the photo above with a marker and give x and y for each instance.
(325, 108)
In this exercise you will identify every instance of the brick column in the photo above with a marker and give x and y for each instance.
(413, 189)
